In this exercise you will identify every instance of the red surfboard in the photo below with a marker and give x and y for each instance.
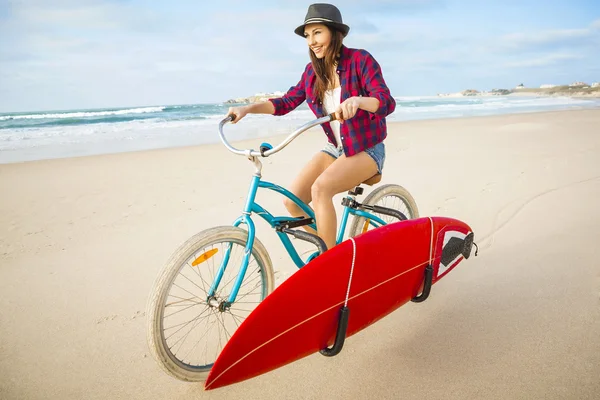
(301, 316)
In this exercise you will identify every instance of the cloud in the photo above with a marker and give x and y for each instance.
(387, 6)
(551, 39)
(547, 38)
(545, 61)
(60, 15)
(363, 26)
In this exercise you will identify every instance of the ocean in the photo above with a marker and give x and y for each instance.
(27, 136)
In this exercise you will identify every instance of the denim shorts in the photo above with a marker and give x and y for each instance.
(376, 152)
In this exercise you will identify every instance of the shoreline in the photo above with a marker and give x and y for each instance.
(217, 142)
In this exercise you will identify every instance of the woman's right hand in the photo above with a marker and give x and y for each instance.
(238, 112)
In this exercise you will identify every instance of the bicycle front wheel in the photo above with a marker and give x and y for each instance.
(390, 196)
(187, 328)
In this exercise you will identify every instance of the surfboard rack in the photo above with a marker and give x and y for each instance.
(307, 237)
(426, 285)
(348, 202)
(340, 335)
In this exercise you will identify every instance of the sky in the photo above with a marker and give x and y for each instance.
(66, 54)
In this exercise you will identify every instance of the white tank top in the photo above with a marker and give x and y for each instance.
(331, 103)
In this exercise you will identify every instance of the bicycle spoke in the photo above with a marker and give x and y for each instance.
(178, 303)
(220, 346)
(256, 281)
(193, 347)
(232, 261)
(227, 334)
(233, 277)
(257, 278)
(184, 338)
(194, 283)
(181, 324)
(241, 310)
(244, 295)
(209, 328)
(241, 317)
(185, 290)
(236, 319)
(185, 324)
(197, 270)
(178, 311)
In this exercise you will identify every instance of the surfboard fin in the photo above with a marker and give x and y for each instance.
(340, 335)
(426, 286)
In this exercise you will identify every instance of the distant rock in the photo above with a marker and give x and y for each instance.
(470, 92)
(576, 89)
(257, 98)
(579, 84)
(473, 92)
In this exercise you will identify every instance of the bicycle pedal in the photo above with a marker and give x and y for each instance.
(357, 191)
(294, 223)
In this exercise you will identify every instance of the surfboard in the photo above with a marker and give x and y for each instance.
(371, 275)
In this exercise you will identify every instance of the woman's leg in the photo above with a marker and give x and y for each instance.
(301, 186)
(343, 174)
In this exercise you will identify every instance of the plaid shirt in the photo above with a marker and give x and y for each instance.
(360, 75)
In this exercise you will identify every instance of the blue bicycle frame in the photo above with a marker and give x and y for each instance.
(246, 218)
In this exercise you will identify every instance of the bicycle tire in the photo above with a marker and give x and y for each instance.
(164, 283)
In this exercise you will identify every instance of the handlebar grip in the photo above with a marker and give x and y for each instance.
(231, 117)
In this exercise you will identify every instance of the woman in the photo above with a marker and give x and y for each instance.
(348, 82)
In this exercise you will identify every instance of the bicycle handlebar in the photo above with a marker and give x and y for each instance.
(279, 147)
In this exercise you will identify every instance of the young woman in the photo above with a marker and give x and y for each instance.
(348, 82)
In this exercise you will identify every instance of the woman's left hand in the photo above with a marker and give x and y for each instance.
(348, 109)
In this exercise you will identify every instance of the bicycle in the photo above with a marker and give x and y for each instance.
(198, 293)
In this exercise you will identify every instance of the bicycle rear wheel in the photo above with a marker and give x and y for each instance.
(186, 329)
(390, 196)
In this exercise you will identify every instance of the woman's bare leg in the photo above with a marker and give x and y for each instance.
(343, 174)
(301, 186)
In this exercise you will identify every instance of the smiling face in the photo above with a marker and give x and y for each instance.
(318, 38)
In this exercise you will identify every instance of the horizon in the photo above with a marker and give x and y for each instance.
(95, 54)
(136, 106)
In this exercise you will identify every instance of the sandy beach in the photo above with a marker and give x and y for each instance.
(82, 240)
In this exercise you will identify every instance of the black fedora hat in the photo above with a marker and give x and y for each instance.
(322, 13)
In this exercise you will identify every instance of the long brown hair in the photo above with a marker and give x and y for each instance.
(324, 67)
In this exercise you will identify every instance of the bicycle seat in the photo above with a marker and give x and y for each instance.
(373, 180)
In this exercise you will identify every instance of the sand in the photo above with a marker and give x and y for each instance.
(82, 240)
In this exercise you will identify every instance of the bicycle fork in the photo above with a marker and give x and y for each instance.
(244, 219)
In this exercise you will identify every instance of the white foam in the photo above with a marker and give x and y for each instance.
(82, 114)
(416, 108)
